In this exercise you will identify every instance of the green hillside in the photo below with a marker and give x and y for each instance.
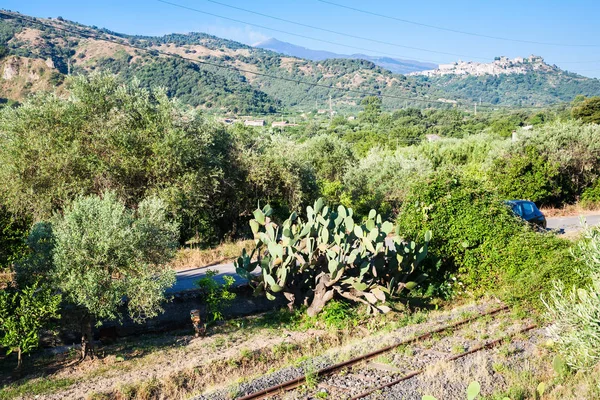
(532, 88)
(224, 76)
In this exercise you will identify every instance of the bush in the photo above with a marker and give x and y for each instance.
(111, 136)
(476, 236)
(23, 314)
(215, 295)
(13, 232)
(591, 196)
(588, 110)
(528, 175)
(330, 256)
(574, 313)
(553, 164)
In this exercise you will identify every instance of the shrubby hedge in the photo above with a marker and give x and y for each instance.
(477, 238)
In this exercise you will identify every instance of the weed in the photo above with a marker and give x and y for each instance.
(310, 375)
(216, 296)
(458, 349)
(34, 387)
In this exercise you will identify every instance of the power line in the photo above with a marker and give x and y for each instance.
(262, 74)
(327, 30)
(337, 33)
(287, 32)
(150, 51)
(453, 30)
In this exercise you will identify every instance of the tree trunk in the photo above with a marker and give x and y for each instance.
(87, 339)
(19, 359)
(321, 297)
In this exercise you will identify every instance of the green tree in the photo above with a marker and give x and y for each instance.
(588, 110)
(372, 109)
(110, 136)
(104, 253)
(23, 314)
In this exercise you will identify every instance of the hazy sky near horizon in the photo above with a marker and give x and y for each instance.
(550, 21)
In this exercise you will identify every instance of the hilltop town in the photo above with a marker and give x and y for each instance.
(501, 65)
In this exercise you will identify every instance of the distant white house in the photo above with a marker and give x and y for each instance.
(282, 124)
(432, 137)
(254, 122)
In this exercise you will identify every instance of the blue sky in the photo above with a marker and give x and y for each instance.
(553, 21)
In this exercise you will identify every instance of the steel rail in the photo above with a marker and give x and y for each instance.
(412, 374)
(296, 382)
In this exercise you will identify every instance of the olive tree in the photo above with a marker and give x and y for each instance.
(106, 256)
(110, 135)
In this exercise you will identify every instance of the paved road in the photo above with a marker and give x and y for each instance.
(572, 224)
(186, 279)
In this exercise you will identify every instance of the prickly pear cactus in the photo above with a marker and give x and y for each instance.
(330, 255)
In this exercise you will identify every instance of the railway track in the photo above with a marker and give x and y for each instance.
(366, 376)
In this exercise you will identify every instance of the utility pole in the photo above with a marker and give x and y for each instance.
(330, 110)
(475, 108)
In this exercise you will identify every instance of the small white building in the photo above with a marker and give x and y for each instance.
(254, 122)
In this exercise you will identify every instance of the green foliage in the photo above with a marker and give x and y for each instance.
(591, 196)
(110, 136)
(100, 253)
(530, 89)
(23, 314)
(478, 237)
(105, 252)
(552, 165)
(372, 109)
(588, 110)
(13, 232)
(338, 315)
(465, 219)
(527, 176)
(575, 312)
(217, 296)
(330, 255)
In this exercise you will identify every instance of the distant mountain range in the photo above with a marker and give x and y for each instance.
(396, 65)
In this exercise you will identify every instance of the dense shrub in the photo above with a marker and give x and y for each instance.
(24, 312)
(109, 136)
(591, 196)
(381, 180)
(553, 164)
(588, 110)
(529, 176)
(477, 237)
(13, 232)
(575, 313)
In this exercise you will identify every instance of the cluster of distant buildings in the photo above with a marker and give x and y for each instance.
(501, 65)
(249, 121)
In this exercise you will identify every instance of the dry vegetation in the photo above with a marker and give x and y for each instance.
(189, 258)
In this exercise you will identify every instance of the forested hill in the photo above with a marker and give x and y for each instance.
(27, 44)
(232, 77)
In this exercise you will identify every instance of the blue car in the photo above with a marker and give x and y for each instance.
(528, 211)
